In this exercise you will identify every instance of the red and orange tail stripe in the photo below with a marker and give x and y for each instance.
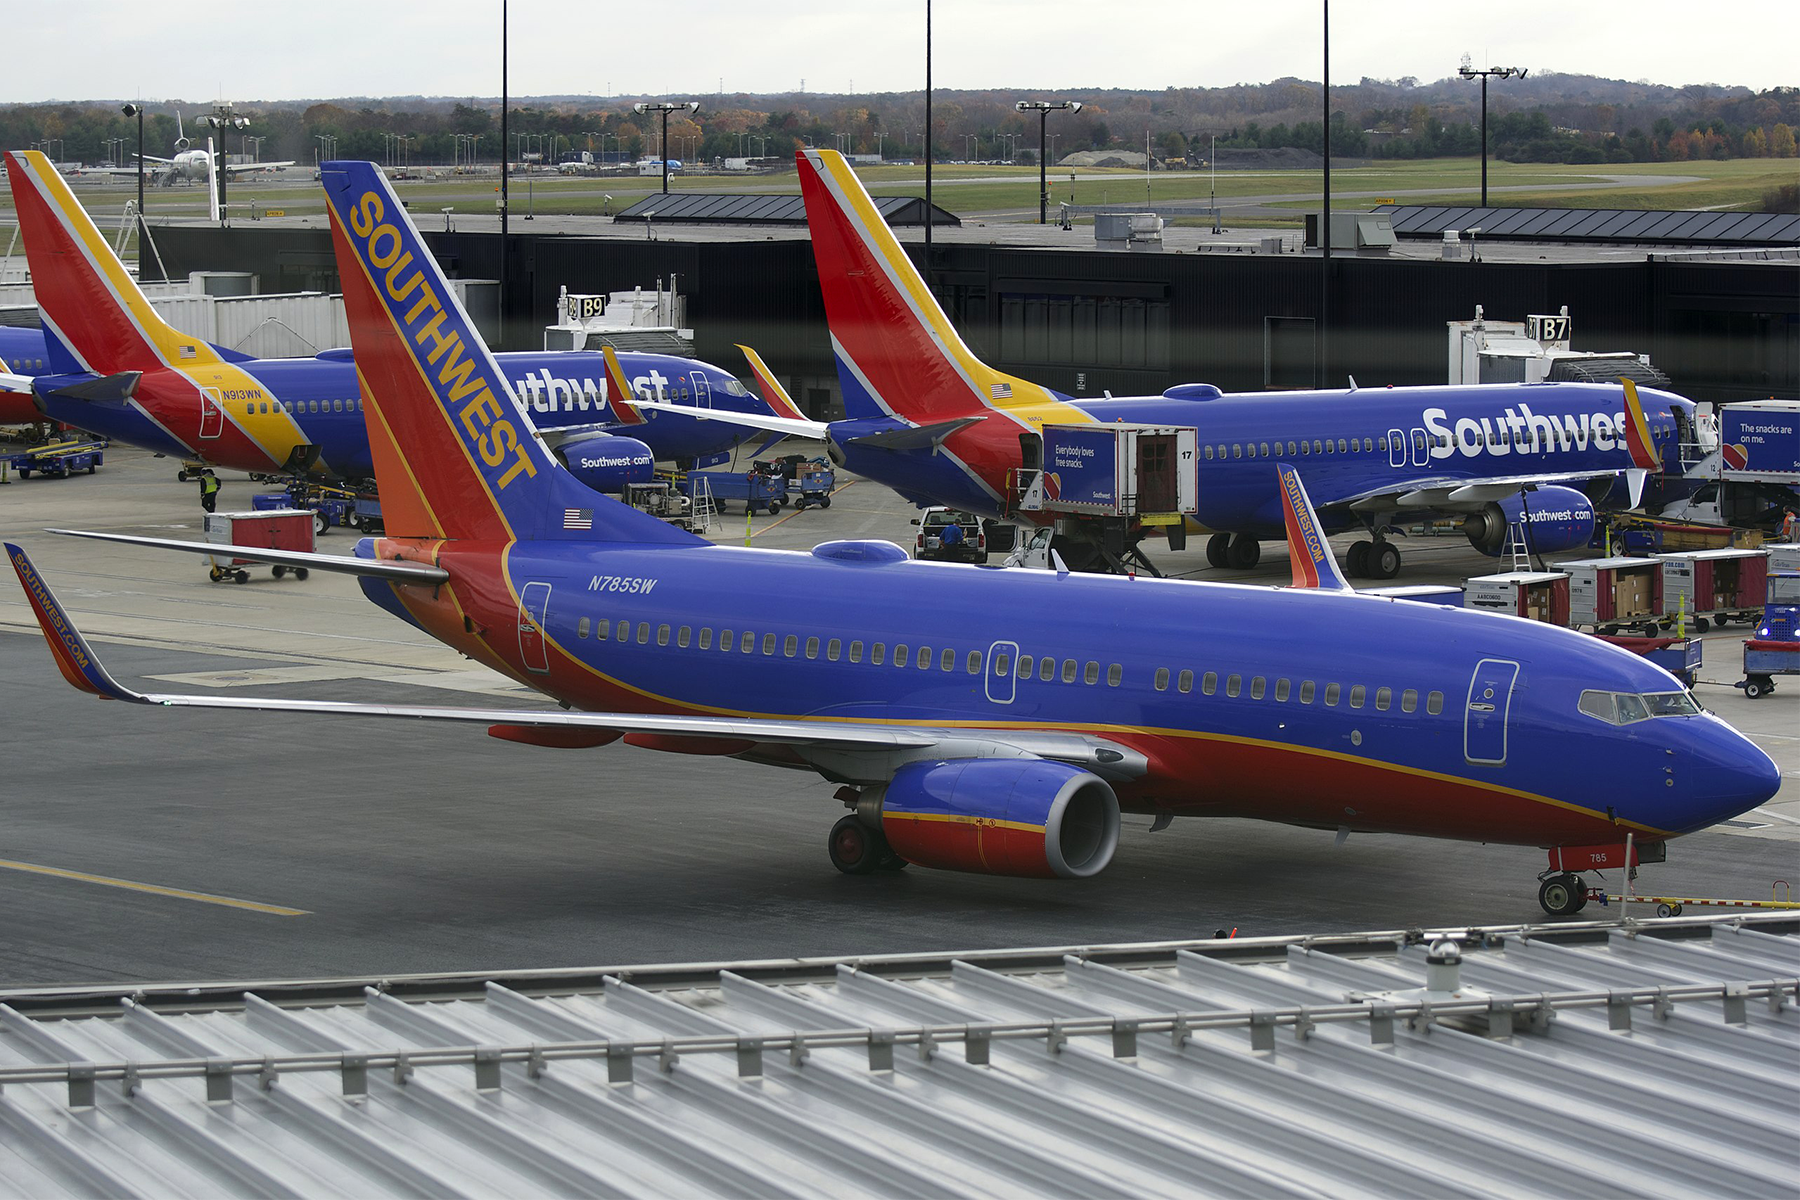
(619, 392)
(773, 394)
(1637, 430)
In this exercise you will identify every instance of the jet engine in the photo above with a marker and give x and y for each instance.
(1556, 518)
(607, 462)
(1002, 816)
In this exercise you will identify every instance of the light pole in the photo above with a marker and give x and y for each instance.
(137, 110)
(1468, 72)
(221, 120)
(1043, 109)
(665, 108)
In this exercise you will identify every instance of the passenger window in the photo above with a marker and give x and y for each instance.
(1115, 675)
(946, 659)
(1341, 447)
(812, 647)
(602, 628)
(877, 653)
(1090, 674)
(974, 662)
(1290, 449)
(1209, 683)
(643, 633)
(1068, 670)
(662, 635)
(726, 639)
(748, 645)
(1184, 682)
(1332, 691)
(1357, 694)
(901, 654)
(1409, 700)
(1434, 703)
(582, 627)
(1209, 452)
(855, 652)
(789, 645)
(1306, 691)
(924, 658)
(624, 631)
(1046, 668)
(1237, 450)
(833, 648)
(1281, 691)
(1303, 446)
(683, 636)
(1002, 664)
(1234, 685)
(706, 637)
(1315, 445)
(1384, 699)
(1256, 688)
(1265, 449)
(1162, 679)
(1025, 664)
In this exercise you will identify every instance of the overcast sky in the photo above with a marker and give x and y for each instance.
(282, 50)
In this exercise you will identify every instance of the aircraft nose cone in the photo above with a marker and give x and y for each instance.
(1731, 775)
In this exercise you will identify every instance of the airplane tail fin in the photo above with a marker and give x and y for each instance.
(96, 319)
(897, 352)
(1637, 431)
(773, 394)
(1314, 565)
(454, 452)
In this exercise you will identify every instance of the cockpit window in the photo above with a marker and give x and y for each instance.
(734, 388)
(1624, 708)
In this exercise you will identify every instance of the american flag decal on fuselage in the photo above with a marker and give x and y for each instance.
(578, 518)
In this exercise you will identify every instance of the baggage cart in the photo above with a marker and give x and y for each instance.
(1716, 586)
(267, 529)
(757, 491)
(1535, 595)
(1610, 594)
(1773, 648)
(59, 460)
(814, 482)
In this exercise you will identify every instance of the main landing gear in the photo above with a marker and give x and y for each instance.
(1235, 551)
(858, 847)
(1378, 559)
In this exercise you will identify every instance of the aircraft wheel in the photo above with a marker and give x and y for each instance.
(216, 574)
(1357, 560)
(279, 571)
(242, 577)
(1218, 549)
(1384, 560)
(1245, 552)
(1562, 895)
(181, 477)
(300, 572)
(855, 848)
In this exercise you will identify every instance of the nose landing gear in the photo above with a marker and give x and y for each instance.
(1562, 893)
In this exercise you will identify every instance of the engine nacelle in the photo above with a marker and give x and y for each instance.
(1002, 816)
(607, 462)
(1556, 518)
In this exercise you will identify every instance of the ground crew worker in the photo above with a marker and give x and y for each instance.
(209, 490)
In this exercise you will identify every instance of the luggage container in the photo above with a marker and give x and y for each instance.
(272, 529)
(1716, 586)
(1535, 595)
(1784, 556)
(1610, 594)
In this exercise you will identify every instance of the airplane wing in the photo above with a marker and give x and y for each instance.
(83, 669)
(792, 427)
(15, 383)
(379, 568)
(244, 168)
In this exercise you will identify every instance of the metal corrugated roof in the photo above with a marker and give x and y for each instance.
(701, 208)
(1575, 1059)
(1598, 225)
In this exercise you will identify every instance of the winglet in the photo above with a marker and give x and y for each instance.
(620, 394)
(1314, 566)
(67, 646)
(773, 394)
(1637, 431)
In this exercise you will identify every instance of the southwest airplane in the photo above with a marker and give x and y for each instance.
(23, 355)
(972, 719)
(929, 419)
(117, 369)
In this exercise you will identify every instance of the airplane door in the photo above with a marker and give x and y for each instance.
(1421, 451)
(1484, 720)
(533, 652)
(1396, 448)
(212, 413)
(702, 391)
(1000, 683)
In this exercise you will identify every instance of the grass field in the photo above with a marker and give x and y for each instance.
(1010, 193)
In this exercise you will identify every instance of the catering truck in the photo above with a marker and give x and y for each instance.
(1752, 478)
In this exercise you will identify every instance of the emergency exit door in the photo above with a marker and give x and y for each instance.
(1484, 718)
(534, 602)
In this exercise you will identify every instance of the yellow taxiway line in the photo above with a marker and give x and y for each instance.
(274, 910)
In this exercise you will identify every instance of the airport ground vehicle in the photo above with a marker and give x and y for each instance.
(59, 460)
(757, 491)
(285, 529)
(946, 535)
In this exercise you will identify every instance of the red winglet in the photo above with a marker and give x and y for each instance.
(67, 646)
